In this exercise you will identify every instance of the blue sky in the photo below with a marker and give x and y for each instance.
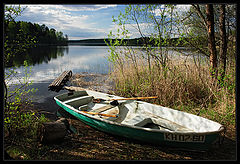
(78, 21)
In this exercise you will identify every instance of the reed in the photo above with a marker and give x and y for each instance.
(183, 84)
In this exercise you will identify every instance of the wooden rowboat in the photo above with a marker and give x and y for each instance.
(141, 120)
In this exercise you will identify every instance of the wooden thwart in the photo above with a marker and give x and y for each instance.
(101, 114)
(58, 83)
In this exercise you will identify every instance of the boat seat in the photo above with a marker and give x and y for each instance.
(144, 122)
(77, 98)
(165, 123)
(123, 112)
(103, 108)
(153, 123)
(149, 123)
(79, 101)
(137, 121)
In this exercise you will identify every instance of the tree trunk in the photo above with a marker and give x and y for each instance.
(211, 40)
(223, 43)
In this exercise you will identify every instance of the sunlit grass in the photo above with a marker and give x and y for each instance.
(184, 85)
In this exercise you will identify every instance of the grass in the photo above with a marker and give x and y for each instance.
(183, 84)
(20, 136)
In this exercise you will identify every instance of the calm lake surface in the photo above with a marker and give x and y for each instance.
(48, 62)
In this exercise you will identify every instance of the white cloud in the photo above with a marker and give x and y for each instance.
(182, 8)
(70, 7)
(147, 29)
(178, 8)
(70, 19)
(86, 7)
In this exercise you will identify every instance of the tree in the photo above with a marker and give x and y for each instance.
(199, 36)
(211, 39)
(223, 44)
(16, 44)
(154, 24)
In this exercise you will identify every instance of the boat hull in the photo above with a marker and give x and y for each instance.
(191, 141)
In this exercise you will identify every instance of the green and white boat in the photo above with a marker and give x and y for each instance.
(141, 120)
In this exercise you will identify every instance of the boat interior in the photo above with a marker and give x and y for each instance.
(136, 113)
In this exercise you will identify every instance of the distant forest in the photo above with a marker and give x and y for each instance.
(129, 42)
(41, 34)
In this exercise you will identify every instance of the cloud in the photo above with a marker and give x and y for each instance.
(183, 8)
(147, 28)
(178, 8)
(83, 21)
(70, 7)
(86, 7)
(73, 20)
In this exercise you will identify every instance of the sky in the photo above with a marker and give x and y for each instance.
(76, 21)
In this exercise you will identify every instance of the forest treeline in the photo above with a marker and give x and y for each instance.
(21, 36)
(131, 42)
(40, 33)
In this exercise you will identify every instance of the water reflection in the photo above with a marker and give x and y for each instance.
(49, 62)
(39, 55)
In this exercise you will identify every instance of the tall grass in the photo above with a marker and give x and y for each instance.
(183, 84)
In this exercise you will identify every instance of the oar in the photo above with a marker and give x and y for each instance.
(136, 98)
(115, 101)
(101, 114)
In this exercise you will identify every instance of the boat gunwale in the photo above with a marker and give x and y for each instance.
(220, 130)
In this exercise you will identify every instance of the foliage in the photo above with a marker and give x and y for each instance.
(182, 81)
(18, 116)
(21, 36)
(193, 27)
(41, 33)
(155, 31)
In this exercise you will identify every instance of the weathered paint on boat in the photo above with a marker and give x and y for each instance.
(189, 140)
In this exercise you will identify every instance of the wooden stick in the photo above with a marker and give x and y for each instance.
(134, 98)
(98, 100)
(101, 114)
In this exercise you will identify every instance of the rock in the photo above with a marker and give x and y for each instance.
(53, 132)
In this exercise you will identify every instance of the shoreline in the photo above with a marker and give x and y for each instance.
(90, 144)
(43, 98)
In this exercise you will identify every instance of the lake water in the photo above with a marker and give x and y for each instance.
(50, 61)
